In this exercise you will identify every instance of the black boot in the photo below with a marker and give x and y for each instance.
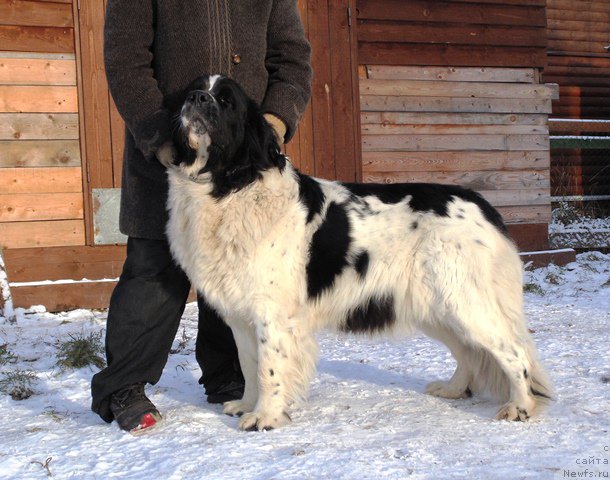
(132, 409)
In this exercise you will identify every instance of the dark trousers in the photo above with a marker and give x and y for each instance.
(143, 318)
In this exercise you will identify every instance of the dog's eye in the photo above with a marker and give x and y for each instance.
(225, 101)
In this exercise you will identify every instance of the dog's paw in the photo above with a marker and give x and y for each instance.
(236, 408)
(259, 421)
(513, 412)
(444, 390)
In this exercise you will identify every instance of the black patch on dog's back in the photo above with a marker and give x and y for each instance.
(328, 250)
(374, 316)
(362, 263)
(428, 197)
(310, 195)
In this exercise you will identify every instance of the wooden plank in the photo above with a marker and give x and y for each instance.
(507, 198)
(451, 55)
(526, 214)
(435, 143)
(52, 99)
(37, 71)
(460, 34)
(422, 88)
(96, 114)
(35, 13)
(36, 39)
(451, 74)
(62, 297)
(452, 161)
(579, 5)
(117, 131)
(344, 93)
(383, 103)
(24, 207)
(449, 12)
(582, 25)
(89, 229)
(480, 181)
(42, 234)
(579, 15)
(531, 3)
(595, 47)
(530, 236)
(39, 126)
(579, 128)
(405, 129)
(62, 263)
(442, 118)
(321, 96)
(34, 154)
(41, 180)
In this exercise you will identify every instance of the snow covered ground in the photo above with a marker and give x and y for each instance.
(367, 416)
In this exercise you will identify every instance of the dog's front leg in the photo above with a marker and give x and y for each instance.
(275, 354)
(247, 350)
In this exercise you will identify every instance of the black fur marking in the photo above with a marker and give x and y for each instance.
(362, 263)
(374, 316)
(310, 195)
(271, 372)
(243, 143)
(414, 225)
(328, 250)
(536, 393)
(426, 197)
(525, 374)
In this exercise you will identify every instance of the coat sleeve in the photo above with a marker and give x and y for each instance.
(288, 64)
(128, 58)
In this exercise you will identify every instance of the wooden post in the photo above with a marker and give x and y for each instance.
(6, 301)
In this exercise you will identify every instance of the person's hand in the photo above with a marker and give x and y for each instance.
(279, 127)
(167, 154)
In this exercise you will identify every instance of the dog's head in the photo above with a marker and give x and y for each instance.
(224, 136)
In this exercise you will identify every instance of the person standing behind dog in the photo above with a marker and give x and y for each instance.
(153, 49)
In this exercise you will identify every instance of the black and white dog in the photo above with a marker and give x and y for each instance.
(280, 255)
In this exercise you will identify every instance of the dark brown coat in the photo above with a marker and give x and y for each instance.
(155, 48)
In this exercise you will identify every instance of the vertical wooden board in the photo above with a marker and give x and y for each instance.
(37, 71)
(345, 118)
(88, 213)
(117, 126)
(305, 131)
(321, 100)
(96, 107)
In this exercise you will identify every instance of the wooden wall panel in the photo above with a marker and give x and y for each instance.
(578, 61)
(41, 200)
(452, 33)
(484, 129)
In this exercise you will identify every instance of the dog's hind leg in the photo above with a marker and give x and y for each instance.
(504, 362)
(245, 339)
(459, 384)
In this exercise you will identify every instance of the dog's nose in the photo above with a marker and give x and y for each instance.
(199, 97)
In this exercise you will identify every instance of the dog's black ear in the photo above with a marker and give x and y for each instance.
(260, 141)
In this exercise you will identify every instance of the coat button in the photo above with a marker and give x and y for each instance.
(236, 58)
